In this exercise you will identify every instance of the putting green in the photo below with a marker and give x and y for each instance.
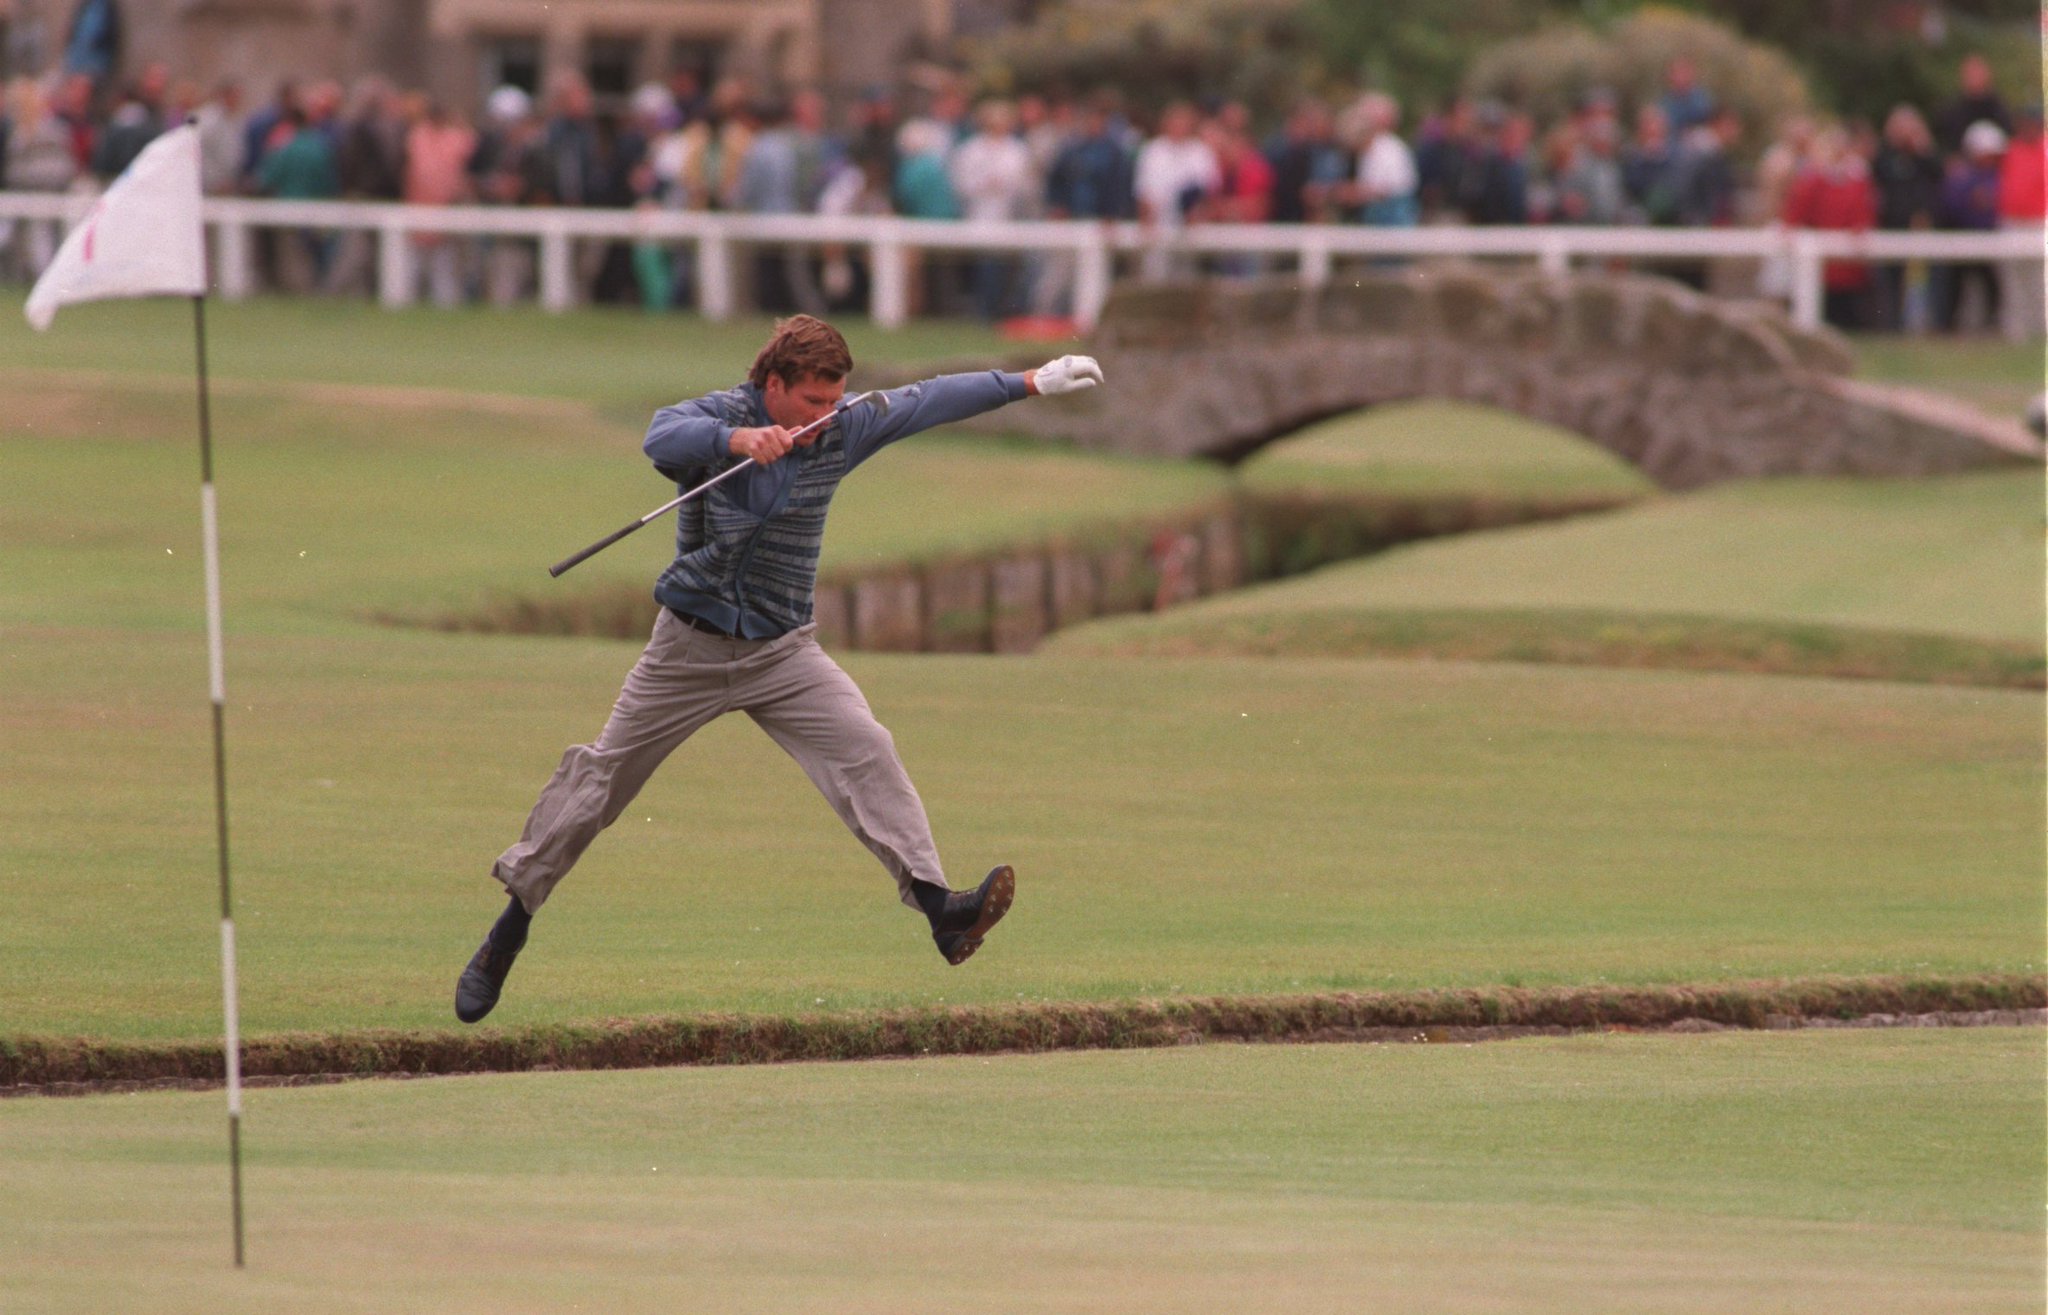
(1894, 1171)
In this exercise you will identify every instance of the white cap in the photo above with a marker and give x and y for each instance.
(652, 101)
(1984, 138)
(508, 104)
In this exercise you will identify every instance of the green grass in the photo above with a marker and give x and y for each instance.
(1290, 827)
(1586, 638)
(624, 361)
(1271, 827)
(1432, 449)
(1957, 557)
(1894, 1171)
(339, 504)
(1998, 377)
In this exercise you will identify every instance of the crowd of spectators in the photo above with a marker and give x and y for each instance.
(1678, 159)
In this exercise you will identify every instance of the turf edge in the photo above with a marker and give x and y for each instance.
(31, 1062)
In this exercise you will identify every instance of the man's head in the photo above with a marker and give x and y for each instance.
(802, 371)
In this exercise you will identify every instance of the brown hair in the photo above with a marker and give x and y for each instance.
(802, 347)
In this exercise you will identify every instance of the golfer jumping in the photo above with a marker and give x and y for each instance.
(735, 634)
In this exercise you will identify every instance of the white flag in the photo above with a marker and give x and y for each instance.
(143, 237)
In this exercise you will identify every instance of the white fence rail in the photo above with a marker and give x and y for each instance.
(890, 244)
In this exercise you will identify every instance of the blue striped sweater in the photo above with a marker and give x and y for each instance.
(747, 551)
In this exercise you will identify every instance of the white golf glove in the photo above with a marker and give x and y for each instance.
(1069, 374)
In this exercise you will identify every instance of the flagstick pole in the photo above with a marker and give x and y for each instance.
(209, 521)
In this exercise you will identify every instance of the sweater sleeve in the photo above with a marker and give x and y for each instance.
(685, 435)
(926, 405)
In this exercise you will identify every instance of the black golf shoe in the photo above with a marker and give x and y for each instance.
(967, 915)
(476, 991)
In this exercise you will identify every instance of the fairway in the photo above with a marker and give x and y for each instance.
(1312, 826)
(1438, 448)
(1326, 826)
(1818, 1171)
(1955, 558)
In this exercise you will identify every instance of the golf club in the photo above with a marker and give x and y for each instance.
(877, 398)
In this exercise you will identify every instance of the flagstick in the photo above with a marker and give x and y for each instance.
(217, 678)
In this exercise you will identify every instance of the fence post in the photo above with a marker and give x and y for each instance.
(395, 278)
(889, 270)
(231, 259)
(1806, 280)
(1092, 273)
(1315, 264)
(557, 284)
(714, 277)
(1554, 257)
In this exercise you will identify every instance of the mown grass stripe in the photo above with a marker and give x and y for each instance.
(32, 1061)
(1584, 638)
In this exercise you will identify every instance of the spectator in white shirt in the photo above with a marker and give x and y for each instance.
(1175, 172)
(995, 180)
(1386, 184)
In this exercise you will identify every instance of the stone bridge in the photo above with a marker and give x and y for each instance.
(1689, 388)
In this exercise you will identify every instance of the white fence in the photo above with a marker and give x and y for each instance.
(890, 244)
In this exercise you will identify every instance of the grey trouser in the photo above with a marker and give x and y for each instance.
(684, 679)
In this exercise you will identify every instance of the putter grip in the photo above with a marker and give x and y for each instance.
(595, 548)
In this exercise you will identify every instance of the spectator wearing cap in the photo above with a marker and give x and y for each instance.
(2022, 199)
(1969, 203)
(506, 169)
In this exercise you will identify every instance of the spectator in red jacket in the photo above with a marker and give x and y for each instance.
(2022, 202)
(1835, 192)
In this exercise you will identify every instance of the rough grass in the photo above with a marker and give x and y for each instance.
(45, 1062)
(1893, 1171)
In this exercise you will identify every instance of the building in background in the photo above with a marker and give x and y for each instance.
(459, 49)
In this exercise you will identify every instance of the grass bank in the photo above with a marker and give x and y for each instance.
(33, 1062)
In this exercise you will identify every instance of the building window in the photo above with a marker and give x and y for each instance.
(510, 61)
(698, 56)
(610, 64)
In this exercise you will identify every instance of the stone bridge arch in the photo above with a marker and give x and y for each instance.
(1689, 388)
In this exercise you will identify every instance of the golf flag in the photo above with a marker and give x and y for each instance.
(142, 238)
